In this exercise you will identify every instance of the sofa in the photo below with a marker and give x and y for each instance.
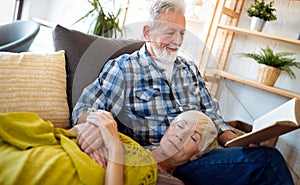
(50, 84)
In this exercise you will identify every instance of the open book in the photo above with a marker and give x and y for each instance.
(281, 120)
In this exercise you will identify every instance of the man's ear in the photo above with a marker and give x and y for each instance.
(146, 32)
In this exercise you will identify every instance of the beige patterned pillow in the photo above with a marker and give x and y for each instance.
(35, 82)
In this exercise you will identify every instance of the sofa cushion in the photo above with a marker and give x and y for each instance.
(86, 55)
(35, 82)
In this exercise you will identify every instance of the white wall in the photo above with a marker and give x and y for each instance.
(63, 12)
(7, 11)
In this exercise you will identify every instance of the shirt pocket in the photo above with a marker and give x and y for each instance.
(147, 94)
(148, 103)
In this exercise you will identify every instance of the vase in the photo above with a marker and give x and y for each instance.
(267, 75)
(257, 24)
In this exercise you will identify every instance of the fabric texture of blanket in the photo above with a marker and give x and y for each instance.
(33, 151)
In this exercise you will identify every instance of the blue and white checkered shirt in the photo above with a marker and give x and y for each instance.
(141, 97)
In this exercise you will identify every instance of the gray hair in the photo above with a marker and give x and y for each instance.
(157, 7)
(209, 134)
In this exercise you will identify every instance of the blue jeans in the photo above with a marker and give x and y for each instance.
(237, 166)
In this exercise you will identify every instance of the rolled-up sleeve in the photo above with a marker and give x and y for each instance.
(105, 93)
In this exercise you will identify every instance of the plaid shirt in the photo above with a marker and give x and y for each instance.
(140, 97)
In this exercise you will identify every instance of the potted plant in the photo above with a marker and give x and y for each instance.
(104, 23)
(260, 12)
(271, 64)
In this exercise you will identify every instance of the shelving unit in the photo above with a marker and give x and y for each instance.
(223, 30)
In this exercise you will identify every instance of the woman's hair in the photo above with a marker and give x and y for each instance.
(157, 7)
(209, 132)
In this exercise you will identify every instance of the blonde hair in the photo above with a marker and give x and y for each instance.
(209, 132)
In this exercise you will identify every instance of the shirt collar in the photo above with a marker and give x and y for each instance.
(144, 57)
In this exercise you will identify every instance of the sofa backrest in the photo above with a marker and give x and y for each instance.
(85, 57)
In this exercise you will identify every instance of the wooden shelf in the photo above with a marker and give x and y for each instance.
(236, 78)
(259, 34)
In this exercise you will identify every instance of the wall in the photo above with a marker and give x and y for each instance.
(64, 12)
(7, 11)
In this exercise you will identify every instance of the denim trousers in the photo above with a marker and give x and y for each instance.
(237, 166)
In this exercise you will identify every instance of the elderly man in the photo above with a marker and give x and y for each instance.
(147, 89)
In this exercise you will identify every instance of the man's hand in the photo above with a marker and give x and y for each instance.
(226, 136)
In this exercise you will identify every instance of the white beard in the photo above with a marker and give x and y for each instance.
(164, 56)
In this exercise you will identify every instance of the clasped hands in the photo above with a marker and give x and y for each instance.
(98, 136)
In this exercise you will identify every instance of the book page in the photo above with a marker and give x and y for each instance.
(281, 120)
(288, 111)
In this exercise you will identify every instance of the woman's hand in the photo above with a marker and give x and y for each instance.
(109, 132)
(98, 134)
(89, 138)
(111, 139)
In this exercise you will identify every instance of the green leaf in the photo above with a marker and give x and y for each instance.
(103, 23)
(280, 60)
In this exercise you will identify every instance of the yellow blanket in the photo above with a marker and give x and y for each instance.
(32, 151)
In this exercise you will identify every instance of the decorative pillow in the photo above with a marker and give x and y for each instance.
(35, 82)
(86, 55)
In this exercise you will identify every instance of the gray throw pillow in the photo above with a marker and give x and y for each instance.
(85, 57)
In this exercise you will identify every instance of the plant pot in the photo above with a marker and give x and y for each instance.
(267, 75)
(257, 24)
